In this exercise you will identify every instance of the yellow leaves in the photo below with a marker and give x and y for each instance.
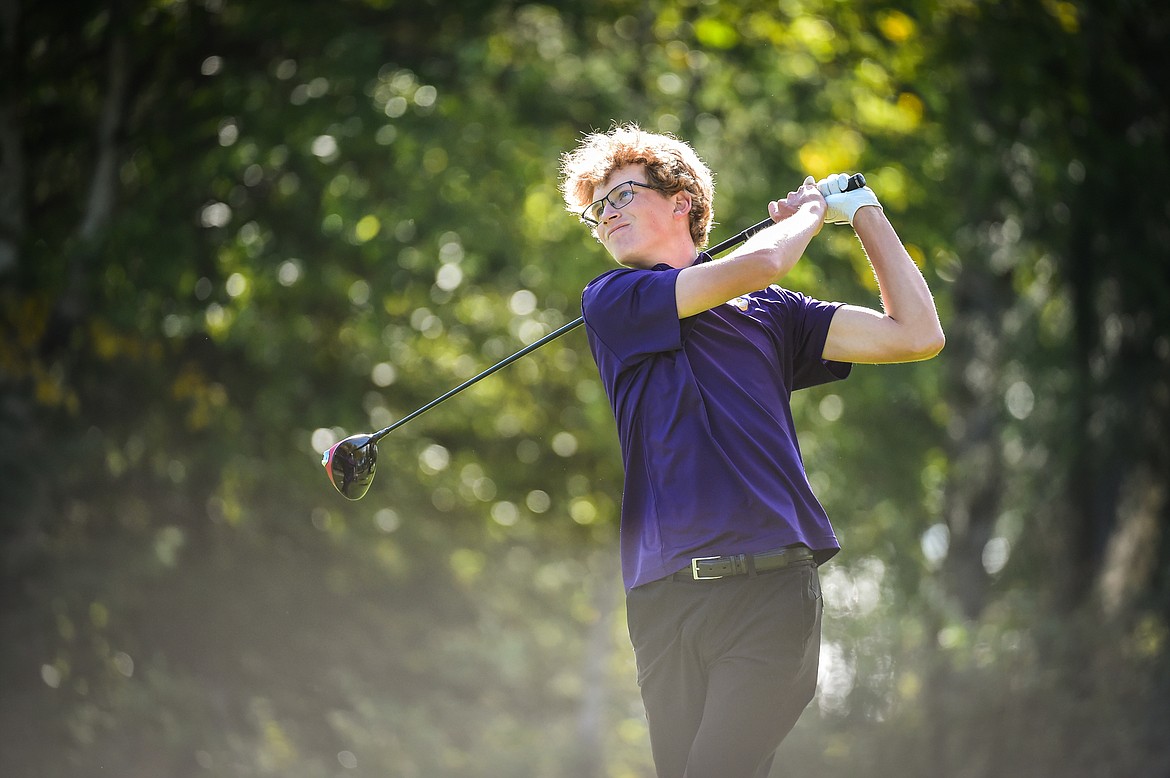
(583, 511)
(276, 752)
(891, 185)
(499, 53)
(24, 323)
(435, 160)
(806, 34)
(106, 343)
(28, 324)
(218, 321)
(367, 228)
(24, 328)
(49, 388)
(909, 686)
(1149, 638)
(1065, 14)
(99, 615)
(799, 65)
(896, 26)
(207, 397)
(816, 35)
(835, 150)
(901, 116)
(910, 106)
(878, 107)
(766, 26)
(467, 564)
(715, 34)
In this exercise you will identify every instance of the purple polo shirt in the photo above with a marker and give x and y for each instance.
(712, 464)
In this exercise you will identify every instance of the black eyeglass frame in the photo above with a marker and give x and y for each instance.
(585, 217)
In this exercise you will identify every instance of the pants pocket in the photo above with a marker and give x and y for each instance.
(652, 632)
(813, 604)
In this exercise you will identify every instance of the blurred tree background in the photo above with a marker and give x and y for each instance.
(233, 232)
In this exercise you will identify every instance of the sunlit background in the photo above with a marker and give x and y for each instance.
(234, 233)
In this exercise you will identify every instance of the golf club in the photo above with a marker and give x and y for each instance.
(350, 464)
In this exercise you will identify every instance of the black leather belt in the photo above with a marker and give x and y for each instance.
(710, 568)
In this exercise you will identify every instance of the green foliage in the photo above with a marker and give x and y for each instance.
(233, 233)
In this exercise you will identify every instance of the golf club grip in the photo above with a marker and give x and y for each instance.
(856, 181)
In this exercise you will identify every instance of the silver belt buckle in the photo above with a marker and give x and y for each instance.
(695, 568)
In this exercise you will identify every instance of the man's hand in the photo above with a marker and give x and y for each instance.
(841, 206)
(763, 259)
(808, 197)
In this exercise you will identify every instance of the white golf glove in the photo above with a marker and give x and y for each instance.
(842, 206)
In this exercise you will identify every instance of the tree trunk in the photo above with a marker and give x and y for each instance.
(12, 163)
(72, 304)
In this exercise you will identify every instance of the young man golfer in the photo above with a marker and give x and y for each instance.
(721, 534)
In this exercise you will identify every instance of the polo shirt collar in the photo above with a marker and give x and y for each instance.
(703, 257)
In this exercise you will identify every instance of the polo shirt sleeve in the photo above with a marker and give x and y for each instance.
(632, 313)
(808, 322)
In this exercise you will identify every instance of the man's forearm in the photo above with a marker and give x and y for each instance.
(785, 242)
(763, 259)
(905, 296)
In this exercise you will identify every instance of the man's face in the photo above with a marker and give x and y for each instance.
(638, 233)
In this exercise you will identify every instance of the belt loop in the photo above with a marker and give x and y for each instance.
(750, 562)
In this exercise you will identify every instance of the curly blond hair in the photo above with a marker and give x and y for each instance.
(671, 165)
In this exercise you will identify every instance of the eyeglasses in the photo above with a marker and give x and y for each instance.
(619, 197)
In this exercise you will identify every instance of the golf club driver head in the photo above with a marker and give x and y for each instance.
(350, 465)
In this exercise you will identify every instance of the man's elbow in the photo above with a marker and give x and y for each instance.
(767, 267)
(927, 344)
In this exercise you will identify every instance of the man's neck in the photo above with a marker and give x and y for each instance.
(677, 256)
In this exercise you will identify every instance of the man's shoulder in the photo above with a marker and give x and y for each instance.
(778, 292)
(774, 296)
(788, 297)
(620, 280)
(602, 285)
(608, 275)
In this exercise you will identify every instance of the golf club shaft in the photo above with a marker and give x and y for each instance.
(499, 365)
(856, 181)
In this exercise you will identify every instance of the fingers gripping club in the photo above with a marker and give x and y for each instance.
(844, 195)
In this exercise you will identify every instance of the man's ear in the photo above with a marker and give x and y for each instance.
(682, 202)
